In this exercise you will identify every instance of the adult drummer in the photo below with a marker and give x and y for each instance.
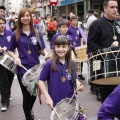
(25, 39)
(103, 32)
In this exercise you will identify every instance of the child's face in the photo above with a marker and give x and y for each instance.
(63, 29)
(61, 50)
(74, 22)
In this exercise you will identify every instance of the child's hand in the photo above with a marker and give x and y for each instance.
(49, 102)
(79, 86)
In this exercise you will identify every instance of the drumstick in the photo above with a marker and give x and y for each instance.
(71, 98)
(56, 113)
(43, 62)
(26, 69)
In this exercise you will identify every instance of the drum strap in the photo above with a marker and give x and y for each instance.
(72, 74)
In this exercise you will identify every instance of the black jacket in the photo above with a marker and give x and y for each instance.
(101, 34)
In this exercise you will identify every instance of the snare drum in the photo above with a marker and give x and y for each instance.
(72, 112)
(81, 53)
(8, 62)
(104, 66)
(30, 81)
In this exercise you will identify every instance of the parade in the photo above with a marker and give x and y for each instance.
(57, 65)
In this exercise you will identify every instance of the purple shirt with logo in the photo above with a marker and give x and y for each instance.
(57, 89)
(22, 44)
(5, 38)
(111, 106)
(76, 36)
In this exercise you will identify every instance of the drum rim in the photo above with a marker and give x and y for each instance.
(75, 113)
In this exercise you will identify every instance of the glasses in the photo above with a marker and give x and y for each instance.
(2, 23)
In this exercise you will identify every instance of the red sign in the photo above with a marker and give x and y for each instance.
(53, 2)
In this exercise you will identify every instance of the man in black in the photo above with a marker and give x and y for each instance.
(102, 33)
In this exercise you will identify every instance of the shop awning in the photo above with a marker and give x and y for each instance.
(67, 2)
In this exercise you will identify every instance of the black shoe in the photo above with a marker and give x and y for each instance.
(98, 97)
(32, 117)
(81, 77)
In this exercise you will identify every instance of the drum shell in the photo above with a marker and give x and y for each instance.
(108, 60)
(81, 53)
(8, 62)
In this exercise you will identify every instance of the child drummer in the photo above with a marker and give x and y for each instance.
(57, 72)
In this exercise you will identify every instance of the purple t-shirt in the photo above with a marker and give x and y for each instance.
(76, 36)
(57, 89)
(111, 106)
(5, 38)
(27, 60)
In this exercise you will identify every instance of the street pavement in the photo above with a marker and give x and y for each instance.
(43, 112)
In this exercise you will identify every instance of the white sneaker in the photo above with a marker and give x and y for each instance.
(4, 108)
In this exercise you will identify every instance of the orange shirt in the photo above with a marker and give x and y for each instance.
(51, 25)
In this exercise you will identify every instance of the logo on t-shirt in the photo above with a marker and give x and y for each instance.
(8, 38)
(68, 75)
(34, 41)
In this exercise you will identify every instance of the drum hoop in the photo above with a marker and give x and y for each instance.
(75, 112)
(92, 56)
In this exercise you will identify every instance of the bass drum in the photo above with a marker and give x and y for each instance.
(104, 66)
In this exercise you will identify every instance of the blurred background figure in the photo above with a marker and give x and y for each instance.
(35, 20)
(91, 17)
(41, 26)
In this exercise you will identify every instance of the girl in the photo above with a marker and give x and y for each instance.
(57, 72)
(25, 38)
(6, 77)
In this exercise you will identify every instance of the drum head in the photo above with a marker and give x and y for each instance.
(29, 77)
(30, 80)
(69, 114)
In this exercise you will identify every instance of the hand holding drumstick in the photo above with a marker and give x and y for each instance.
(79, 88)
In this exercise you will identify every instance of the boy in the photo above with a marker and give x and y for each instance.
(76, 37)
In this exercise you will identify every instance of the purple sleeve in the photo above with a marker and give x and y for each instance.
(83, 35)
(13, 43)
(111, 106)
(45, 73)
(42, 41)
(8, 26)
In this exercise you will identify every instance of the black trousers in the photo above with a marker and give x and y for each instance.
(28, 100)
(105, 91)
(6, 79)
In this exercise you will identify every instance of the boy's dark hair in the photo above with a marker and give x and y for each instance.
(2, 7)
(107, 1)
(62, 22)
